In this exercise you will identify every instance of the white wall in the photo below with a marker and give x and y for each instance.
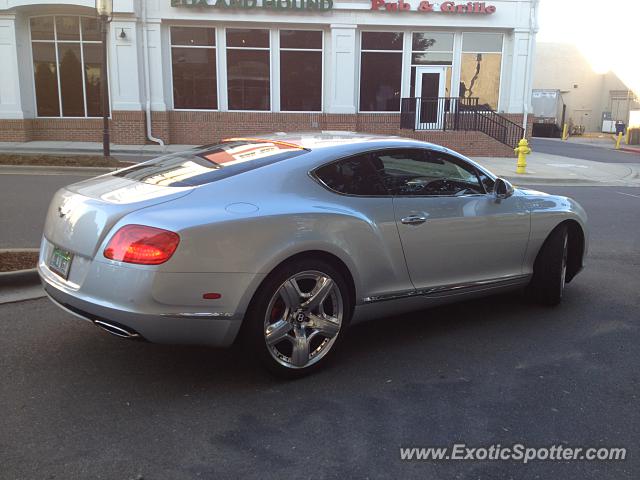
(584, 91)
(341, 54)
(10, 101)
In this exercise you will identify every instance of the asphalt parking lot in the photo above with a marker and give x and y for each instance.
(583, 151)
(77, 403)
(25, 199)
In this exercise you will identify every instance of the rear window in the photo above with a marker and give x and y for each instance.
(211, 163)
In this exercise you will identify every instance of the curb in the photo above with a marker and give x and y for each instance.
(54, 170)
(77, 151)
(20, 278)
(631, 150)
(524, 180)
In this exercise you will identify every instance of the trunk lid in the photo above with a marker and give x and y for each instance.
(82, 214)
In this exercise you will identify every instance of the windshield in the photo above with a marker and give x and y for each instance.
(211, 163)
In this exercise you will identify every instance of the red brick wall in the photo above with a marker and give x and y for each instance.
(517, 118)
(208, 127)
(128, 128)
(15, 130)
(70, 129)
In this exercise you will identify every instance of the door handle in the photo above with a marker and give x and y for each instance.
(414, 220)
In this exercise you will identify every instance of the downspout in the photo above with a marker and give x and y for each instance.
(147, 82)
(533, 19)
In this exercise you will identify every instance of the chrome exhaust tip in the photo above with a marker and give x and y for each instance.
(117, 330)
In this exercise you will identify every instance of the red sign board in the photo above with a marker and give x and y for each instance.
(477, 8)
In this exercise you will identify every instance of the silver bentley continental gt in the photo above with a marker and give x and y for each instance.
(281, 241)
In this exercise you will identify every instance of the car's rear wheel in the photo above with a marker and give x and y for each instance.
(550, 269)
(298, 317)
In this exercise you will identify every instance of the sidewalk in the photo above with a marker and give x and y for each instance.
(87, 148)
(546, 169)
(542, 169)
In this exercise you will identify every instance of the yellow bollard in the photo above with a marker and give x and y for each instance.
(628, 137)
(565, 132)
(618, 140)
(522, 150)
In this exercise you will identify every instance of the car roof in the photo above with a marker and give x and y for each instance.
(331, 145)
(328, 145)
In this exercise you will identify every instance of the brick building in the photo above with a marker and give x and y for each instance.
(455, 73)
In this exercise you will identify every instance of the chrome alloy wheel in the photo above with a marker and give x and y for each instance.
(563, 271)
(303, 319)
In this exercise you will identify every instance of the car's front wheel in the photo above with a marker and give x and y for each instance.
(298, 317)
(550, 269)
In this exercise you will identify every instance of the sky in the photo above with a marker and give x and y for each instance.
(607, 32)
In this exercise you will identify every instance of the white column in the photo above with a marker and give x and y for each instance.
(10, 103)
(519, 64)
(456, 65)
(124, 62)
(342, 68)
(154, 46)
(275, 70)
(405, 87)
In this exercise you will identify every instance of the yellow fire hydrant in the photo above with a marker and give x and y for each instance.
(522, 150)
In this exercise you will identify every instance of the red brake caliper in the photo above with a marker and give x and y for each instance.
(277, 310)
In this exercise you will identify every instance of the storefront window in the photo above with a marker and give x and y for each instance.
(67, 63)
(432, 49)
(193, 60)
(300, 70)
(380, 71)
(248, 69)
(480, 69)
(71, 80)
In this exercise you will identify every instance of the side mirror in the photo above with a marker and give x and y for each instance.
(502, 189)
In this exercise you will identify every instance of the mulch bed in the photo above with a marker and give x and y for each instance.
(19, 260)
(61, 160)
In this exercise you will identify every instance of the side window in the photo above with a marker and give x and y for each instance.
(486, 181)
(424, 172)
(352, 176)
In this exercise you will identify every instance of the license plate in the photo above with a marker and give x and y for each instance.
(60, 262)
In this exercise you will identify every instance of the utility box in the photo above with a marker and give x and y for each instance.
(608, 123)
(548, 112)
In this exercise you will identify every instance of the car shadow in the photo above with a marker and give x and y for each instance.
(180, 367)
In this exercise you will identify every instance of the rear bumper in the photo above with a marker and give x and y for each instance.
(168, 329)
(143, 302)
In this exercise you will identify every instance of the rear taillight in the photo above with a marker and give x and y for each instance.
(142, 244)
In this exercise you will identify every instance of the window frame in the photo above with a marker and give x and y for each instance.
(322, 69)
(456, 161)
(502, 60)
(221, 63)
(403, 74)
(425, 150)
(451, 65)
(55, 43)
(271, 66)
(214, 47)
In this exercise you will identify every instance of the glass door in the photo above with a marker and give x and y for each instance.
(429, 90)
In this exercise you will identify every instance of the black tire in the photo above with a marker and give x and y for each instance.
(256, 323)
(549, 270)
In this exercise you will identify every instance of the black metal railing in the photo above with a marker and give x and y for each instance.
(437, 113)
(457, 113)
(499, 127)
